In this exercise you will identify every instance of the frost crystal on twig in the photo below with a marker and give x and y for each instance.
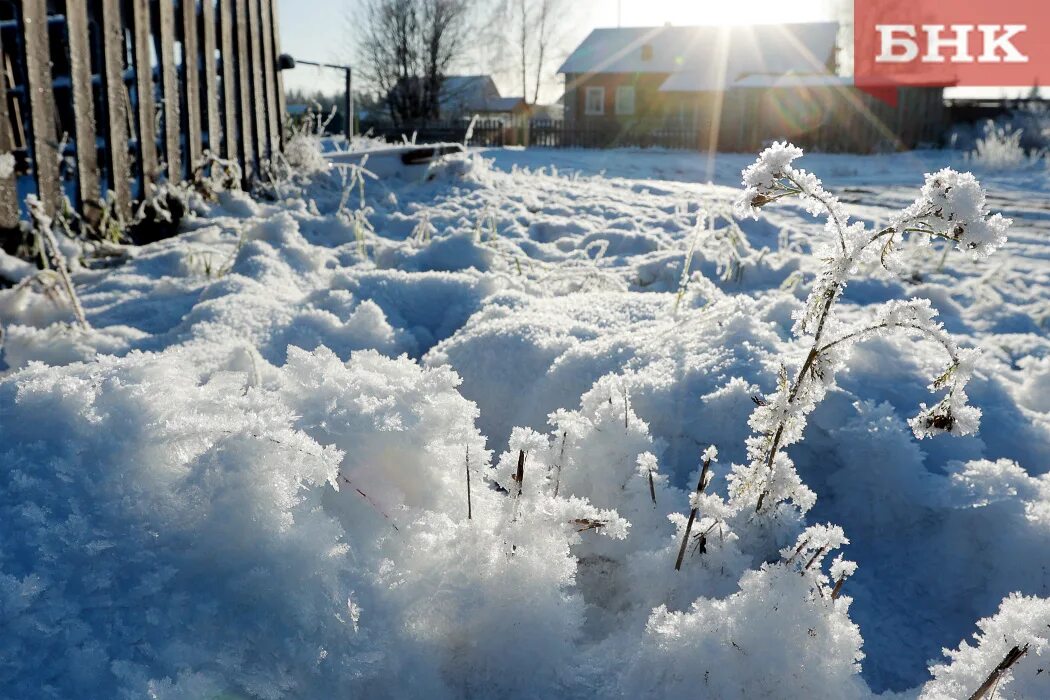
(950, 206)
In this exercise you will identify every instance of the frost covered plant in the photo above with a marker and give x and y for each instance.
(783, 616)
(695, 503)
(726, 245)
(357, 219)
(304, 154)
(212, 175)
(302, 150)
(951, 206)
(362, 228)
(165, 203)
(683, 282)
(999, 149)
(1007, 661)
(487, 217)
(355, 176)
(49, 247)
(111, 226)
(423, 232)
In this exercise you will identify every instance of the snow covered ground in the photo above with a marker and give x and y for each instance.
(250, 477)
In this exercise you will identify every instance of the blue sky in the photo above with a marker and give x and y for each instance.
(320, 30)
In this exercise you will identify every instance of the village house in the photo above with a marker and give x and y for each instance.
(463, 96)
(735, 88)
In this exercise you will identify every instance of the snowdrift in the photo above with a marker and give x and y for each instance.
(499, 432)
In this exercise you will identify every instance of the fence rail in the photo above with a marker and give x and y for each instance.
(102, 96)
(486, 132)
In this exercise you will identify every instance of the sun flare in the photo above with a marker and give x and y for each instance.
(699, 12)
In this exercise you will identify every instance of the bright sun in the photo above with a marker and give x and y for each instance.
(692, 12)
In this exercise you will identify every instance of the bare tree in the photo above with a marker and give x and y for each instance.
(407, 48)
(547, 21)
(524, 31)
(534, 28)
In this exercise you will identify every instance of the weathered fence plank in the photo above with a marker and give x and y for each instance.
(170, 90)
(78, 36)
(259, 118)
(41, 103)
(273, 129)
(191, 88)
(8, 185)
(245, 144)
(279, 81)
(145, 105)
(211, 92)
(113, 52)
(231, 115)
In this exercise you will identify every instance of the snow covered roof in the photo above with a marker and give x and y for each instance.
(467, 93)
(769, 80)
(503, 104)
(706, 58)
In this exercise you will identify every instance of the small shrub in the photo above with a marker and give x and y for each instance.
(1000, 149)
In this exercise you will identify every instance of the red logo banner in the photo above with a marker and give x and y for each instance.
(901, 43)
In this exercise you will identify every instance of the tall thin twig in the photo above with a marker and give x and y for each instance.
(519, 479)
(561, 462)
(700, 484)
(469, 510)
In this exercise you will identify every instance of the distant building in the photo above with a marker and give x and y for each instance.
(463, 96)
(736, 87)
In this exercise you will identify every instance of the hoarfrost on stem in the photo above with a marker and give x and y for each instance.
(950, 206)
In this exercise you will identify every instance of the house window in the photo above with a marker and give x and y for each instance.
(647, 52)
(595, 103)
(625, 99)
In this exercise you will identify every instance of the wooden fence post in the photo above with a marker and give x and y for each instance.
(83, 107)
(170, 90)
(230, 113)
(8, 185)
(258, 95)
(191, 88)
(273, 129)
(113, 52)
(145, 105)
(244, 105)
(41, 103)
(211, 92)
(279, 78)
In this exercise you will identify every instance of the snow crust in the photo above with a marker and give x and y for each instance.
(444, 434)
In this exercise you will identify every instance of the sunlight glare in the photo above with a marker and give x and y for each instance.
(699, 12)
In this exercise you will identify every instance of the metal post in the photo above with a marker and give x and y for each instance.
(286, 62)
(349, 105)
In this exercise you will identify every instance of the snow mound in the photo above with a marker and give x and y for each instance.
(176, 548)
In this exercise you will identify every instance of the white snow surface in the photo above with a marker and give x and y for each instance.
(249, 477)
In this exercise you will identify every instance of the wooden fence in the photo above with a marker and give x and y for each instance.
(486, 132)
(113, 95)
(829, 120)
(534, 132)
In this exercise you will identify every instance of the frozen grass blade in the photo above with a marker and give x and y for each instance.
(49, 246)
